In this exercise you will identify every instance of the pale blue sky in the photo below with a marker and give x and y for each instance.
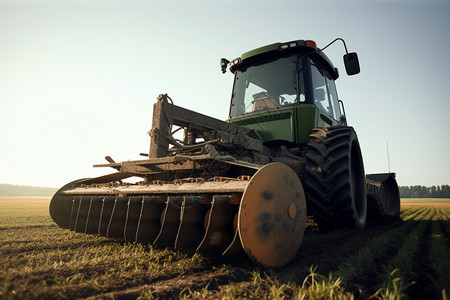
(78, 78)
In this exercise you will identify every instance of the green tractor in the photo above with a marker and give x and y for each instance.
(286, 92)
(248, 183)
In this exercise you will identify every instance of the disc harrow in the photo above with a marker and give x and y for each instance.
(187, 221)
(220, 215)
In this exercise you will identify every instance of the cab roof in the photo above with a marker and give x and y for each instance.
(275, 49)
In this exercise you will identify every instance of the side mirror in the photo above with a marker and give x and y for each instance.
(351, 63)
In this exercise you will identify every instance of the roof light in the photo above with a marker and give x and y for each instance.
(288, 45)
(310, 43)
(235, 62)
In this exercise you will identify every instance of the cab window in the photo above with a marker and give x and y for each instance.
(325, 94)
(268, 86)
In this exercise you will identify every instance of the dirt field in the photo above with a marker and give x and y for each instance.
(434, 202)
(403, 258)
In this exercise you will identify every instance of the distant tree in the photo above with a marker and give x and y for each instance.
(438, 192)
(445, 191)
(405, 192)
(419, 191)
(433, 190)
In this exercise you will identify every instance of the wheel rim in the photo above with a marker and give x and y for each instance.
(272, 215)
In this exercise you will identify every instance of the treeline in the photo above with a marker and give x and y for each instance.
(418, 191)
(11, 190)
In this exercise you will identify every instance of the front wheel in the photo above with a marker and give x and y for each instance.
(334, 182)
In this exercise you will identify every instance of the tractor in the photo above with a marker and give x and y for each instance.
(246, 184)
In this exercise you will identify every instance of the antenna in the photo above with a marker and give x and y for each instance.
(387, 150)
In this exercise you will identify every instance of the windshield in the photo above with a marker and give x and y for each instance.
(265, 87)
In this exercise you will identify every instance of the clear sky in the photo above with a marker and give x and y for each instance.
(78, 78)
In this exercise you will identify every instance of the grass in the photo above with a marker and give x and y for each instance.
(40, 260)
(439, 251)
(264, 286)
(386, 261)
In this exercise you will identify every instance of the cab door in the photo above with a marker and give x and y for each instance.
(325, 96)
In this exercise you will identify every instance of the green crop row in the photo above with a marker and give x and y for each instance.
(440, 251)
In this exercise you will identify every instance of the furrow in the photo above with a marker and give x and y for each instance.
(438, 255)
(410, 264)
(354, 271)
(411, 213)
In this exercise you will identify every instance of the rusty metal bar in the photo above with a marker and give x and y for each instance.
(166, 114)
(169, 188)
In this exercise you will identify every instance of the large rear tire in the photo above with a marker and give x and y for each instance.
(334, 182)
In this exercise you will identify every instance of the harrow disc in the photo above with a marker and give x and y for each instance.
(272, 215)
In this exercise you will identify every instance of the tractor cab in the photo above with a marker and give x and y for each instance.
(284, 90)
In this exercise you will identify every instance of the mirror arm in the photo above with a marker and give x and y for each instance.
(351, 61)
(337, 39)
